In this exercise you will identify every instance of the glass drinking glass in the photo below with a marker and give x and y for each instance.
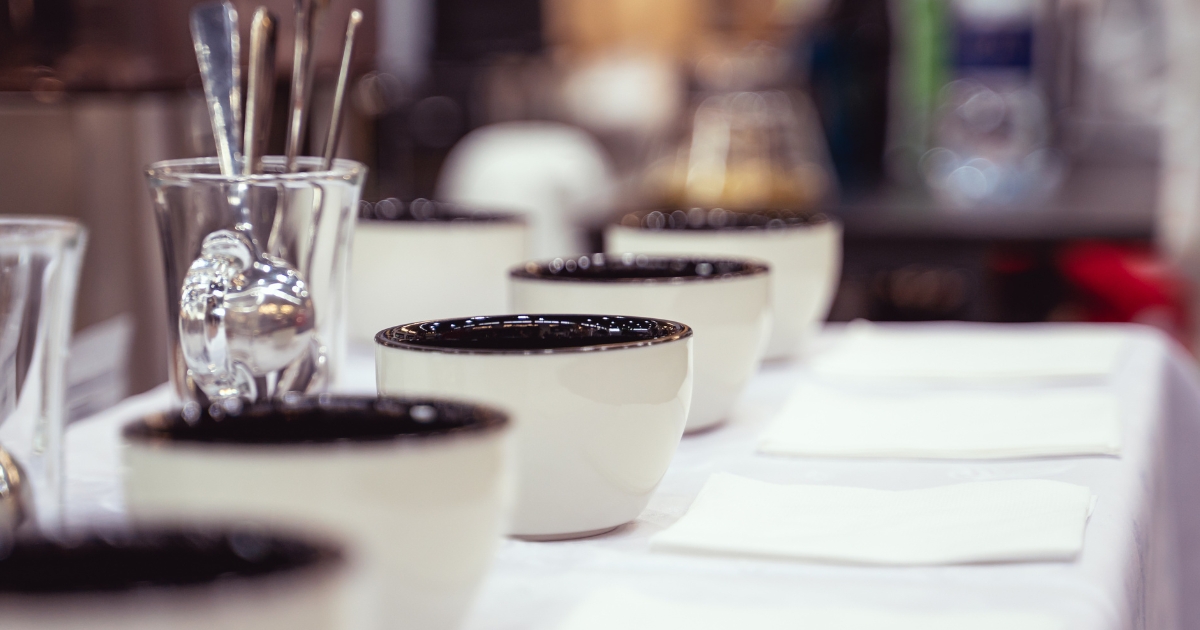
(740, 150)
(39, 273)
(256, 272)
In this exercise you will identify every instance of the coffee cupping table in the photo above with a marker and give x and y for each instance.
(1141, 548)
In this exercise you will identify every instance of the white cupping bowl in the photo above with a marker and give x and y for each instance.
(171, 579)
(418, 489)
(803, 249)
(599, 404)
(725, 301)
(428, 260)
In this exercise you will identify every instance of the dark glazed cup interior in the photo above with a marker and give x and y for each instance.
(709, 219)
(428, 211)
(637, 268)
(127, 560)
(532, 334)
(318, 419)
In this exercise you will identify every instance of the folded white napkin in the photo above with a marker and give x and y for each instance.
(970, 354)
(621, 608)
(995, 521)
(823, 421)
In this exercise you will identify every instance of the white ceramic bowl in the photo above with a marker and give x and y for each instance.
(803, 250)
(599, 404)
(428, 260)
(418, 489)
(171, 579)
(725, 301)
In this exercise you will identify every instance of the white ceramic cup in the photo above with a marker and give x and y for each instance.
(171, 579)
(599, 405)
(725, 301)
(429, 260)
(804, 251)
(418, 489)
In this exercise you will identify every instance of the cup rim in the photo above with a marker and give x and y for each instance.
(406, 337)
(703, 219)
(446, 214)
(685, 268)
(20, 225)
(305, 557)
(214, 428)
(183, 170)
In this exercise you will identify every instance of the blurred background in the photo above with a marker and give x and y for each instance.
(991, 160)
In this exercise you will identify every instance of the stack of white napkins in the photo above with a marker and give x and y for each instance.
(967, 354)
(997, 521)
(824, 421)
(610, 609)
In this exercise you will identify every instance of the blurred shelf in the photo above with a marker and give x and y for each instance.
(1095, 201)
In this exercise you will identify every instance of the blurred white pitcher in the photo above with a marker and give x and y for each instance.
(555, 174)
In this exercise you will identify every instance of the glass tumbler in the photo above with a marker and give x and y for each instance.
(743, 150)
(40, 259)
(256, 272)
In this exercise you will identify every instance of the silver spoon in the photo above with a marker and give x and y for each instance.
(243, 314)
(271, 314)
(260, 88)
(306, 18)
(339, 95)
(218, 52)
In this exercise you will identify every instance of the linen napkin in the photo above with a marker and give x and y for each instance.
(823, 421)
(967, 354)
(995, 521)
(622, 608)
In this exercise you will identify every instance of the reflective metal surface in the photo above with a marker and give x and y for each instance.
(218, 52)
(250, 320)
(307, 12)
(243, 314)
(260, 88)
(339, 96)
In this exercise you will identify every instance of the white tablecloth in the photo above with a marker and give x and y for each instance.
(1141, 551)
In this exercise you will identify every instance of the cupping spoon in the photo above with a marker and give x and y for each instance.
(260, 88)
(243, 313)
(339, 95)
(306, 17)
(215, 37)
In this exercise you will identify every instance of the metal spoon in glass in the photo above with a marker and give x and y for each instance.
(339, 94)
(244, 314)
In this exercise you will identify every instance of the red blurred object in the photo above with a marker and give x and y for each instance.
(1127, 283)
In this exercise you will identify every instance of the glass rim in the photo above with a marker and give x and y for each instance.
(22, 224)
(177, 170)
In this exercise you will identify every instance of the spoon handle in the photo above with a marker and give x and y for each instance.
(260, 88)
(306, 14)
(339, 95)
(218, 52)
